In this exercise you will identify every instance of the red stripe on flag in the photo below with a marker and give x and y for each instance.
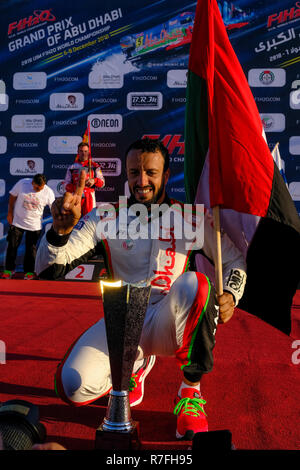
(241, 164)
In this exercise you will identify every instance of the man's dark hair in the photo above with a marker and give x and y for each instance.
(151, 145)
(82, 144)
(39, 179)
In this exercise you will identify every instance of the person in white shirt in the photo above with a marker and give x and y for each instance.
(27, 201)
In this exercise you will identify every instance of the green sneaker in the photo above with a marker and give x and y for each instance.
(137, 380)
(7, 274)
(191, 417)
(29, 276)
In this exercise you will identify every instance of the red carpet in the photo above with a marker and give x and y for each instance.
(253, 390)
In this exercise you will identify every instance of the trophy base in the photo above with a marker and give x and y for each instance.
(108, 440)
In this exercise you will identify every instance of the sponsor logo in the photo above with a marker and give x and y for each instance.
(177, 190)
(63, 144)
(267, 77)
(29, 80)
(2, 187)
(294, 189)
(273, 122)
(127, 245)
(26, 144)
(37, 17)
(295, 95)
(2, 92)
(4, 100)
(163, 277)
(106, 188)
(3, 144)
(179, 99)
(144, 77)
(104, 144)
(106, 122)
(99, 80)
(177, 78)
(294, 145)
(105, 100)
(60, 166)
(144, 100)
(68, 122)
(28, 101)
(66, 79)
(57, 186)
(235, 280)
(109, 166)
(172, 142)
(28, 123)
(267, 99)
(26, 166)
(66, 101)
(284, 16)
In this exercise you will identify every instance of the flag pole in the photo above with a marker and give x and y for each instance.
(218, 261)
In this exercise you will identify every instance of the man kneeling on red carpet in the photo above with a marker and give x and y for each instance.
(183, 310)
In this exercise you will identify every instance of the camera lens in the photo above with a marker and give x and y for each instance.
(19, 425)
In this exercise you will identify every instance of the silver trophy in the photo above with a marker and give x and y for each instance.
(124, 306)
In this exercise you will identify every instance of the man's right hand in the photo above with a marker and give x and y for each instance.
(66, 210)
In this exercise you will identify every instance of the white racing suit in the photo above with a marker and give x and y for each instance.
(182, 313)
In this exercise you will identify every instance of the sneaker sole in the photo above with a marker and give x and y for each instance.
(143, 377)
(9, 276)
(189, 435)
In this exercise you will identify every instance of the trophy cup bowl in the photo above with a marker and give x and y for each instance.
(124, 306)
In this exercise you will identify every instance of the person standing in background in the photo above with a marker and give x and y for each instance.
(94, 178)
(27, 201)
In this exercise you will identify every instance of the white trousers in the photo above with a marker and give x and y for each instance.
(169, 329)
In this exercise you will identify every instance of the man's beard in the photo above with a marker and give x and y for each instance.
(154, 199)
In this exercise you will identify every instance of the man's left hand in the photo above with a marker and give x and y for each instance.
(226, 304)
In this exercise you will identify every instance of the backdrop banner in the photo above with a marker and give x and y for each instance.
(122, 67)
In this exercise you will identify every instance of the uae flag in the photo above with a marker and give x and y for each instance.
(228, 164)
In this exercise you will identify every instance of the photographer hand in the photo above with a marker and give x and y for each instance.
(66, 210)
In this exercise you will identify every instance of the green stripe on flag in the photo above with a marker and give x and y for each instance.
(196, 134)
